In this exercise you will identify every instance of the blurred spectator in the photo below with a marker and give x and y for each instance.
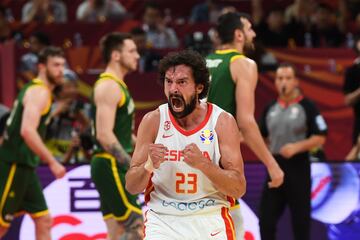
(100, 10)
(208, 11)
(6, 33)
(272, 30)
(351, 89)
(158, 35)
(300, 11)
(68, 136)
(213, 35)
(45, 11)
(149, 59)
(200, 42)
(4, 114)
(29, 61)
(324, 29)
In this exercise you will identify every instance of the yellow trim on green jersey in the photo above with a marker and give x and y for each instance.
(226, 51)
(236, 57)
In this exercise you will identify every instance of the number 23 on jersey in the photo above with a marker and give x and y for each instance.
(186, 183)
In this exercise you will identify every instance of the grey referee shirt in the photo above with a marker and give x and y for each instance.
(283, 123)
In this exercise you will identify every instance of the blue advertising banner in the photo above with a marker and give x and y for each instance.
(74, 205)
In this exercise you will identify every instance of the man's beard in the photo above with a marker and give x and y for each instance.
(249, 46)
(188, 108)
(127, 66)
(52, 79)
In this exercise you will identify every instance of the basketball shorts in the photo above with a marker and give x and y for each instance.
(109, 179)
(20, 192)
(216, 225)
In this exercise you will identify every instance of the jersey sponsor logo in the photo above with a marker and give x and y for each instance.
(167, 136)
(213, 63)
(167, 125)
(190, 206)
(177, 155)
(206, 136)
(215, 233)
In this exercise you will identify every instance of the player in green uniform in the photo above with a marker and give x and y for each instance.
(22, 149)
(113, 121)
(233, 81)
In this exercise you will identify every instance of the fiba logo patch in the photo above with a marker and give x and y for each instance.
(167, 125)
(206, 136)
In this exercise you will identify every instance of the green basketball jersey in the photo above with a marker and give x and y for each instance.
(124, 116)
(222, 86)
(14, 149)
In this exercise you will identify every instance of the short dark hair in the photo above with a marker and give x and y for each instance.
(191, 59)
(288, 65)
(50, 51)
(228, 23)
(110, 42)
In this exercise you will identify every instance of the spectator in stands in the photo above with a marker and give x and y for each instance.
(293, 126)
(272, 30)
(300, 11)
(149, 59)
(68, 136)
(6, 33)
(324, 29)
(100, 11)
(4, 114)
(29, 61)
(351, 89)
(158, 35)
(208, 12)
(45, 11)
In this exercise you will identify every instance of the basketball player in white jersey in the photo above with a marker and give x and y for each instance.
(187, 157)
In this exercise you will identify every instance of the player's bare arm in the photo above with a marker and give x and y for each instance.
(36, 101)
(107, 95)
(229, 179)
(244, 73)
(146, 152)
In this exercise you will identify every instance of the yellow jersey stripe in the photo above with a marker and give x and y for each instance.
(226, 51)
(5, 194)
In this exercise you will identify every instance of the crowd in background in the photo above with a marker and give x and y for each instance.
(301, 23)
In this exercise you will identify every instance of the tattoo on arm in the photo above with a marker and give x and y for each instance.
(119, 153)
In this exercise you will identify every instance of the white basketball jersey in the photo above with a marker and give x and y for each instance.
(175, 187)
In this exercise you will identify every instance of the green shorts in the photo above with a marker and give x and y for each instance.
(109, 179)
(20, 192)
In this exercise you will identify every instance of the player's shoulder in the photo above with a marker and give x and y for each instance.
(152, 115)
(105, 83)
(37, 91)
(243, 60)
(150, 122)
(226, 119)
